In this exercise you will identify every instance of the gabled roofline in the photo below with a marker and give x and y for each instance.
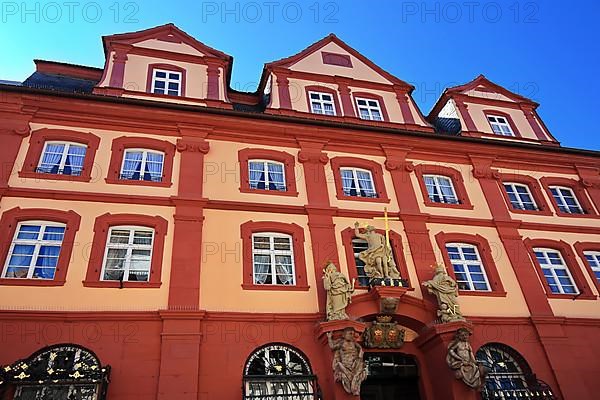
(482, 80)
(332, 38)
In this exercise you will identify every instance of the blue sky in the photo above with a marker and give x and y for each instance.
(540, 49)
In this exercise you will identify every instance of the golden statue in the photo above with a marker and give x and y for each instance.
(445, 289)
(461, 359)
(339, 292)
(378, 258)
(348, 364)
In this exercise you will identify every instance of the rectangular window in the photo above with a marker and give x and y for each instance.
(357, 182)
(369, 109)
(34, 250)
(128, 254)
(566, 200)
(266, 175)
(322, 103)
(555, 271)
(166, 82)
(62, 158)
(358, 246)
(500, 125)
(142, 165)
(520, 197)
(593, 259)
(440, 189)
(273, 259)
(468, 268)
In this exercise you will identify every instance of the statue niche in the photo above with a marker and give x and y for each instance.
(380, 266)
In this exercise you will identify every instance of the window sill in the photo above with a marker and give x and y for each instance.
(567, 215)
(481, 293)
(137, 183)
(530, 212)
(271, 192)
(54, 177)
(360, 198)
(30, 282)
(124, 285)
(284, 288)
(460, 206)
(571, 296)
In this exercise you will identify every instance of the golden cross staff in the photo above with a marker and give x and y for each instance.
(387, 230)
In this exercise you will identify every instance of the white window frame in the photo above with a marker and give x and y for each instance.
(553, 267)
(502, 124)
(322, 102)
(520, 202)
(356, 180)
(38, 243)
(266, 173)
(167, 80)
(143, 163)
(271, 252)
(562, 203)
(369, 109)
(464, 261)
(436, 182)
(63, 157)
(595, 268)
(130, 246)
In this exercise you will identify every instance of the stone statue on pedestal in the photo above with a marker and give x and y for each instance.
(445, 289)
(378, 258)
(339, 292)
(460, 358)
(348, 364)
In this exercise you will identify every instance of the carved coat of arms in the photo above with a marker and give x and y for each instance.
(384, 334)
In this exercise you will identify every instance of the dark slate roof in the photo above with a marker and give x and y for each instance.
(248, 108)
(61, 83)
(450, 126)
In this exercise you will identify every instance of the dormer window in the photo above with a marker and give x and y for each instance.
(369, 109)
(500, 125)
(166, 82)
(322, 103)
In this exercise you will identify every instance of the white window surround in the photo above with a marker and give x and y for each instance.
(555, 270)
(369, 109)
(566, 200)
(440, 189)
(273, 259)
(358, 180)
(149, 165)
(129, 249)
(500, 125)
(34, 250)
(70, 151)
(468, 267)
(520, 196)
(322, 103)
(166, 82)
(272, 175)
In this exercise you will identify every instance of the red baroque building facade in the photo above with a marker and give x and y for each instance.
(164, 236)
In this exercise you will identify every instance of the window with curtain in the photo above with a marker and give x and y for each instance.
(555, 271)
(322, 103)
(440, 189)
(593, 259)
(566, 200)
(62, 158)
(500, 125)
(357, 182)
(273, 259)
(520, 196)
(369, 109)
(468, 267)
(166, 82)
(266, 175)
(142, 165)
(34, 250)
(128, 254)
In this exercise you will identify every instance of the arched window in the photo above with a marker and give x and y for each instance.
(509, 376)
(62, 371)
(279, 371)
